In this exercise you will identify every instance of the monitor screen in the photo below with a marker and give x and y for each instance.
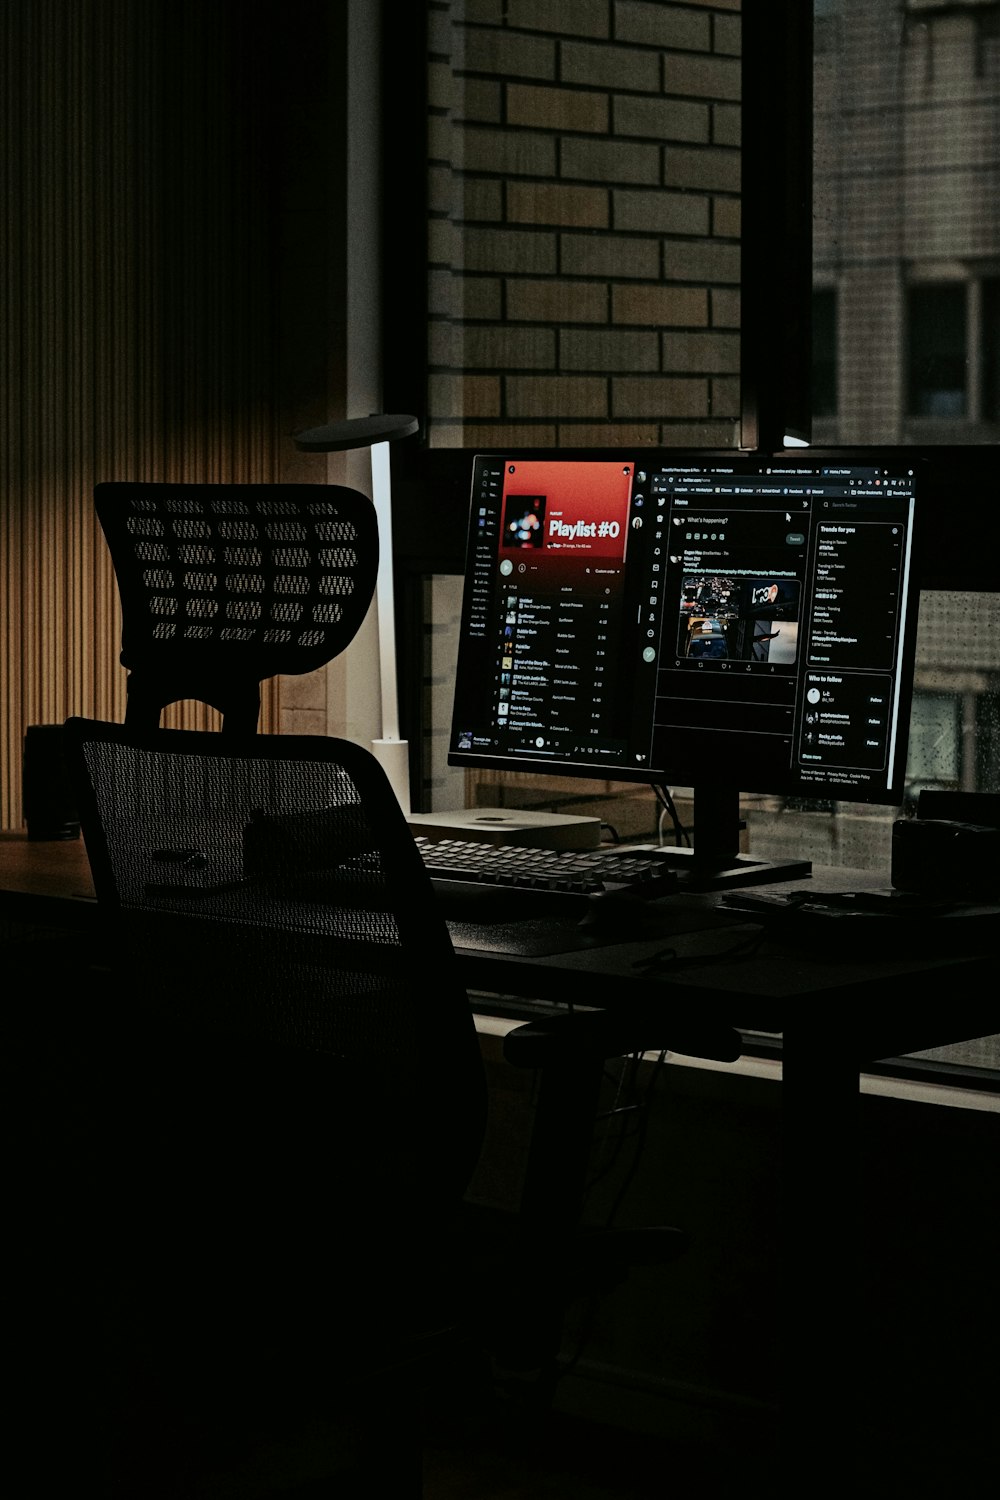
(725, 623)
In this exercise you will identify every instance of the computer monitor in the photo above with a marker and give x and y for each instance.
(724, 623)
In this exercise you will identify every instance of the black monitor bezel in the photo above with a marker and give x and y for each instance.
(684, 775)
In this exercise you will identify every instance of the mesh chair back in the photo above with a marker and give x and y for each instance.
(269, 892)
(223, 586)
(302, 1082)
(294, 1091)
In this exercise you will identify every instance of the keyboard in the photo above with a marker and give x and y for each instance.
(470, 877)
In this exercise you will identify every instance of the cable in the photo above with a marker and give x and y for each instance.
(639, 1110)
(665, 798)
(669, 958)
(634, 1113)
(617, 1112)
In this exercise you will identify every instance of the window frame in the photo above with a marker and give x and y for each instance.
(776, 295)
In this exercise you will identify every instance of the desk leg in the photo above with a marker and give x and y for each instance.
(821, 1237)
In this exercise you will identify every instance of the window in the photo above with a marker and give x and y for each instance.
(594, 198)
(953, 351)
(935, 742)
(906, 219)
(938, 351)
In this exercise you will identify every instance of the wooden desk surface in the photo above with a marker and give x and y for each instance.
(54, 868)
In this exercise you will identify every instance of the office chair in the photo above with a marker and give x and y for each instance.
(222, 586)
(295, 1105)
(301, 1106)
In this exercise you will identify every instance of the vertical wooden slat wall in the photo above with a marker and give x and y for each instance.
(138, 317)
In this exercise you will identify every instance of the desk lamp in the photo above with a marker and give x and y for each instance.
(376, 433)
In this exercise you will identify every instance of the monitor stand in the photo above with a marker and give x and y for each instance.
(715, 863)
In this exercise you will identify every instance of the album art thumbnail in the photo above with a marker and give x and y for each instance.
(523, 522)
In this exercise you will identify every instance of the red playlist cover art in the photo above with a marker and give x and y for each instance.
(567, 508)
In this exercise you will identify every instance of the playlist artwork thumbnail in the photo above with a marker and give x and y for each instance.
(524, 521)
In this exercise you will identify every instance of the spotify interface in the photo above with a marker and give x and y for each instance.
(641, 618)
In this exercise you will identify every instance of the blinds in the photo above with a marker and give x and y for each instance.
(137, 287)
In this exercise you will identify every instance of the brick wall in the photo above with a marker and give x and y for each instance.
(585, 220)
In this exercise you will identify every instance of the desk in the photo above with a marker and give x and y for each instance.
(682, 947)
(835, 1009)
